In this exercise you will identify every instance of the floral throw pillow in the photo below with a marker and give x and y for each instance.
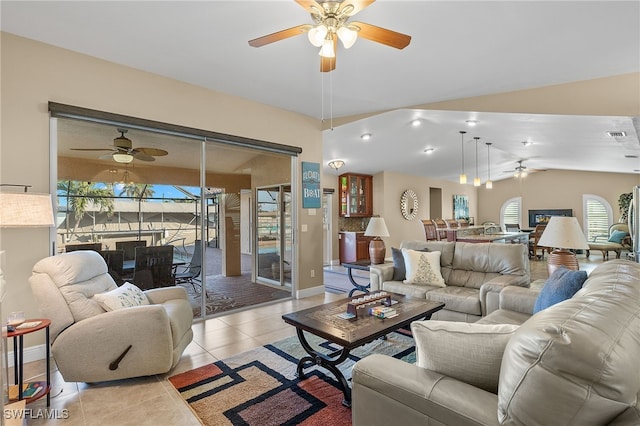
(125, 296)
(423, 268)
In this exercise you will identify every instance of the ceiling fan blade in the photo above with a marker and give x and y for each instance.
(358, 5)
(280, 35)
(142, 156)
(106, 156)
(308, 5)
(329, 64)
(382, 35)
(152, 151)
(91, 149)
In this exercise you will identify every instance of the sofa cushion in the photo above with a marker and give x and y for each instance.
(399, 271)
(561, 285)
(125, 296)
(423, 268)
(468, 352)
(459, 299)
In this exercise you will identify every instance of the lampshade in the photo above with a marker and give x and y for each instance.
(376, 228)
(327, 50)
(25, 210)
(317, 35)
(347, 36)
(563, 232)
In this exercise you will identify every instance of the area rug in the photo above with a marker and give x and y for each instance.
(260, 387)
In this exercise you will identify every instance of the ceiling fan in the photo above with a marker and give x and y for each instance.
(521, 171)
(124, 152)
(331, 22)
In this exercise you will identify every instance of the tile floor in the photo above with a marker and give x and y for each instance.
(152, 400)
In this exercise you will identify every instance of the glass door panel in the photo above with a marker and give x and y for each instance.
(274, 235)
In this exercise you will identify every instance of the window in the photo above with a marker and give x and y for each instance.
(510, 211)
(597, 216)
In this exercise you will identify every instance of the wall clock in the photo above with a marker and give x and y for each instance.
(409, 204)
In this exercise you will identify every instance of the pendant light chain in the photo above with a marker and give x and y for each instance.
(476, 180)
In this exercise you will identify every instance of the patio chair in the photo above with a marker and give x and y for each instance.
(190, 273)
(115, 262)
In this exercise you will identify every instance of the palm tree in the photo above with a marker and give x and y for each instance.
(80, 194)
(137, 190)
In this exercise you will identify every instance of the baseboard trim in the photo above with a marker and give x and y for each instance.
(308, 292)
(30, 354)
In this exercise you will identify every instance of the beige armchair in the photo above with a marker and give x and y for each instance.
(93, 344)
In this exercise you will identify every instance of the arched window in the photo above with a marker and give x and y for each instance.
(598, 216)
(510, 211)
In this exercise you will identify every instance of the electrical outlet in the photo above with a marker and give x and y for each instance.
(313, 273)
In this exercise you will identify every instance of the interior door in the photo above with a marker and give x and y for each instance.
(274, 237)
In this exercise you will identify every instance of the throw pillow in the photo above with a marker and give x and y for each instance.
(617, 236)
(125, 296)
(423, 268)
(399, 271)
(469, 352)
(561, 285)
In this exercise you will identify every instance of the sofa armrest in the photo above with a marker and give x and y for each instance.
(103, 338)
(490, 291)
(518, 299)
(390, 391)
(163, 294)
(379, 274)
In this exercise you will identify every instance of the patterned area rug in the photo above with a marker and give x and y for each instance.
(260, 387)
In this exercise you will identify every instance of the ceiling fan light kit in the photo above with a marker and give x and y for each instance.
(330, 24)
(122, 158)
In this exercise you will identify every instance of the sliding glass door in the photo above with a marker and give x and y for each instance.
(274, 238)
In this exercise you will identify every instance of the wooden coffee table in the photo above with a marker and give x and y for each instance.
(323, 321)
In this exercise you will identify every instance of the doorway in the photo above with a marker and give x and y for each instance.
(327, 228)
(273, 235)
(435, 203)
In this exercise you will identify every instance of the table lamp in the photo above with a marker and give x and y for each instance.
(563, 233)
(376, 228)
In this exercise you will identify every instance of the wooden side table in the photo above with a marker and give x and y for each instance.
(18, 359)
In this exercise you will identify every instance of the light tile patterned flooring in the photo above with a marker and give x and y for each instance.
(152, 400)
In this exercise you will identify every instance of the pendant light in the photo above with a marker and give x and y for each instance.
(463, 176)
(489, 184)
(476, 180)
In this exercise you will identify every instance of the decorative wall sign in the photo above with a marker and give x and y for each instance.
(311, 192)
(460, 207)
(409, 204)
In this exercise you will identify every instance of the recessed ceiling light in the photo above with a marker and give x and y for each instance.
(429, 151)
(471, 122)
(366, 136)
(416, 122)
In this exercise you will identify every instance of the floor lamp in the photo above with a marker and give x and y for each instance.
(562, 234)
(376, 228)
(21, 210)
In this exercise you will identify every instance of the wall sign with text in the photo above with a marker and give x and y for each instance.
(311, 193)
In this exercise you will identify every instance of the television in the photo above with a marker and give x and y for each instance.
(541, 217)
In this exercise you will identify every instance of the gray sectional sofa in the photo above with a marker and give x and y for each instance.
(573, 363)
(474, 275)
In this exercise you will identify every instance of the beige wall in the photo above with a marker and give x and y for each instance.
(554, 189)
(34, 74)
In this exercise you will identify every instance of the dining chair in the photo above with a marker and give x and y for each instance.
(115, 262)
(153, 267)
(430, 231)
(129, 247)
